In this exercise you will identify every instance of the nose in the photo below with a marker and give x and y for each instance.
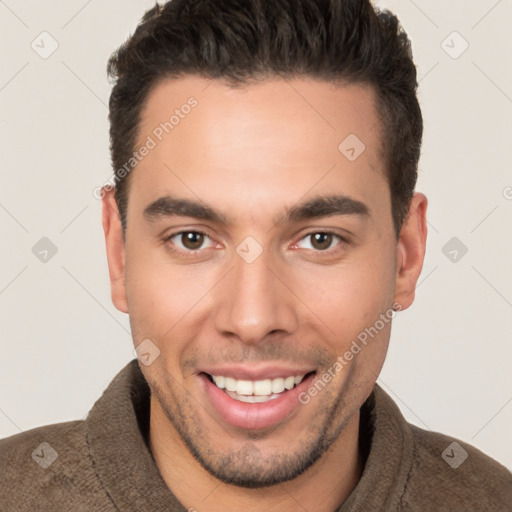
(254, 302)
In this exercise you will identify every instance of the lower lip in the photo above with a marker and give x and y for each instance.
(254, 416)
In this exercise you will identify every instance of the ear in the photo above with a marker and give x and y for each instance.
(111, 220)
(411, 251)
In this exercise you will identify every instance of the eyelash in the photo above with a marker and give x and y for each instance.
(192, 253)
(185, 253)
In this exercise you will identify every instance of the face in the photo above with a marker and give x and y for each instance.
(258, 251)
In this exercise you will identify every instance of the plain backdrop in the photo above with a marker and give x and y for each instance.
(62, 341)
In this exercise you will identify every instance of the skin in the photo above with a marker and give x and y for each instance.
(253, 153)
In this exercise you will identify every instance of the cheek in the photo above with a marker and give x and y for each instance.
(348, 299)
(160, 294)
(349, 293)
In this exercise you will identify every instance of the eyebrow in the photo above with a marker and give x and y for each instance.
(322, 206)
(169, 206)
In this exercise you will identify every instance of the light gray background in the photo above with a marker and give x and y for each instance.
(62, 340)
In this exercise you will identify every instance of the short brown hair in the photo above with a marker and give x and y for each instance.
(243, 41)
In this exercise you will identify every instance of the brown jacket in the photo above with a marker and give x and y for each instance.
(103, 463)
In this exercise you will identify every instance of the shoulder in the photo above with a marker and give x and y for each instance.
(47, 468)
(454, 475)
(14, 445)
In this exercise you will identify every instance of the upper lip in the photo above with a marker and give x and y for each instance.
(257, 373)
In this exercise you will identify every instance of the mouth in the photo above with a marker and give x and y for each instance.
(255, 404)
(256, 391)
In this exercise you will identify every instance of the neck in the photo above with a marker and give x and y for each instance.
(323, 487)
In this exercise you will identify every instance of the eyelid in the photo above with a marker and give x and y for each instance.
(343, 240)
(168, 237)
(169, 233)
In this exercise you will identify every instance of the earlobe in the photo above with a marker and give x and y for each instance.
(411, 251)
(114, 242)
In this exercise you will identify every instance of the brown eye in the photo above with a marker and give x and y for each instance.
(321, 241)
(192, 240)
(193, 244)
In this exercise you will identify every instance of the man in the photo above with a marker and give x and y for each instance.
(262, 231)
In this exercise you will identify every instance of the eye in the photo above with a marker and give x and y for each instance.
(319, 241)
(189, 240)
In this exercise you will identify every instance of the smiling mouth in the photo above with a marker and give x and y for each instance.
(256, 391)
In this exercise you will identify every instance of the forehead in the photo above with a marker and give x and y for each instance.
(325, 108)
(278, 137)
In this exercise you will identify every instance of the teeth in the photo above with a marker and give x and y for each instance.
(289, 382)
(277, 385)
(244, 387)
(262, 387)
(252, 399)
(230, 384)
(298, 380)
(258, 390)
(219, 381)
